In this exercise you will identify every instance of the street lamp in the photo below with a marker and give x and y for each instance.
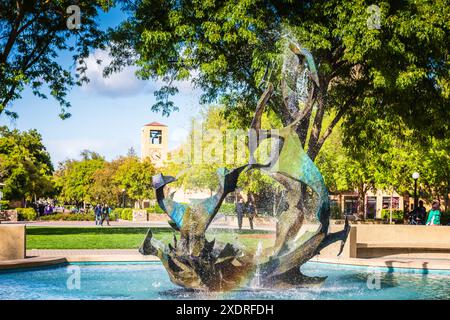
(415, 176)
(123, 197)
(1, 194)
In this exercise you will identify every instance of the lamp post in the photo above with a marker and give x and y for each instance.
(123, 197)
(1, 194)
(415, 176)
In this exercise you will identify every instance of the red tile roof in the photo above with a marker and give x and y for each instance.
(156, 124)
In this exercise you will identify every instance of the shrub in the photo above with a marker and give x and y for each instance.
(4, 204)
(116, 214)
(69, 217)
(26, 214)
(227, 208)
(155, 209)
(126, 214)
(396, 214)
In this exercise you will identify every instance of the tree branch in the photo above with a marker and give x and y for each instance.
(13, 34)
(333, 124)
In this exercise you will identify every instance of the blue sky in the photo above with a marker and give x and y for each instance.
(107, 114)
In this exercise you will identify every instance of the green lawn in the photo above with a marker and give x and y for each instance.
(125, 238)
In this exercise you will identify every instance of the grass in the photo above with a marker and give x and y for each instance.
(126, 238)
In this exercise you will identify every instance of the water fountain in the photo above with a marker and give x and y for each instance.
(196, 263)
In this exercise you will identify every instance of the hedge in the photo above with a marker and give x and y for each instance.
(126, 214)
(69, 217)
(26, 214)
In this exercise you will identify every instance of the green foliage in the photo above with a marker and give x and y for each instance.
(386, 161)
(33, 34)
(127, 214)
(228, 208)
(113, 216)
(26, 214)
(155, 209)
(4, 204)
(402, 68)
(136, 178)
(75, 179)
(196, 168)
(396, 214)
(69, 217)
(94, 180)
(117, 212)
(25, 165)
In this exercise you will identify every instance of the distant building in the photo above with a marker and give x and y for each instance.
(154, 142)
(374, 202)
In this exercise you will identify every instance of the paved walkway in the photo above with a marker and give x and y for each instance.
(131, 224)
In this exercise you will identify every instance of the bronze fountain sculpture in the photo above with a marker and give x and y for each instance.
(196, 263)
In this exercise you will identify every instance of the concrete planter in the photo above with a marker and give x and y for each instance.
(13, 242)
(8, 215)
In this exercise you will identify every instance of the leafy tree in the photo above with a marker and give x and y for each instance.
(25, 165)
(210, 140)
(75, 179)
(136, 178)
(33, 33)
(401, 69)
(105, 188)
(386, 162)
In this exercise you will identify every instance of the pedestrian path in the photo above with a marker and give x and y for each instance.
(131, 224)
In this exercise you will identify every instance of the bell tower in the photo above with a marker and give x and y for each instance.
(154, 142)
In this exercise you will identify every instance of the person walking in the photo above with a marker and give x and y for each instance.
(240, 208)
(434, 216)
(98, 214)
(251, 212)
(105, 214)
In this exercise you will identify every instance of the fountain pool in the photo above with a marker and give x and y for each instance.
(149, 280)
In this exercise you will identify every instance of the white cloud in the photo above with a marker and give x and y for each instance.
(125, 83)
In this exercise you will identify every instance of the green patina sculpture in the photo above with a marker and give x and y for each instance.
(194, 262)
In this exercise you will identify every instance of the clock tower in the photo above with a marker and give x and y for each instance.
(154, 143)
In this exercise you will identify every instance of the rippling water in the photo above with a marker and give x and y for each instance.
(150, 281)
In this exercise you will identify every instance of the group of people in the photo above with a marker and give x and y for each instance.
(248, 209)
(101, 214)
(419, 215)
